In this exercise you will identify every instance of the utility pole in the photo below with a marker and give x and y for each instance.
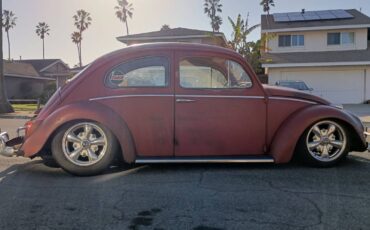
(5, 106)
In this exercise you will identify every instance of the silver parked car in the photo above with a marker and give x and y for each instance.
(298, 85)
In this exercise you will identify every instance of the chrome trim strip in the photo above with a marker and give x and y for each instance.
(222, 96)
(292, 99)
(201, 161)
(131, 95)
(171, 95)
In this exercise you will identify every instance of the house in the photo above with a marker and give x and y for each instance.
(22, 81)
(51, 68)
(176, 35)
(329, 50)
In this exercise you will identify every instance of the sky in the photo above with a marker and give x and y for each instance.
(149, 15)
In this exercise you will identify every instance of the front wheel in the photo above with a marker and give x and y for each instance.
(84, 148)
(324, 144)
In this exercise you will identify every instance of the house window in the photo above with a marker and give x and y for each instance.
(291, 40)
(343, 38)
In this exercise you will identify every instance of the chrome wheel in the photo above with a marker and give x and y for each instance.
(326, 141)
(84, 144)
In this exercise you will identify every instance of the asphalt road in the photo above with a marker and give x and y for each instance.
(199, 197)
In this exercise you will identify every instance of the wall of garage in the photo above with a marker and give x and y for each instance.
(340, 85)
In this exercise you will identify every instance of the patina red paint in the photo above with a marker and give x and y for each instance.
(152, 122)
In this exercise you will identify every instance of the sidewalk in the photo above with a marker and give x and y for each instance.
(17, 115)
(362, 111)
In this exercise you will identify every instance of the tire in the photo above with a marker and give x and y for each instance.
(84, 148)
(324, 144)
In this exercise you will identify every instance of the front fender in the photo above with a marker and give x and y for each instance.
(285, 140)
(80, 111)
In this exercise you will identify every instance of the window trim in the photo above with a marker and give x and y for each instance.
(167, 74)
(218, 89)
(291, 41)
(341, 38)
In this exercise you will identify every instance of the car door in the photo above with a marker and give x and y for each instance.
(220, 107)
(140, 90)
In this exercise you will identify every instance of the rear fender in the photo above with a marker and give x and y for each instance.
(285, 140)
(80, 111)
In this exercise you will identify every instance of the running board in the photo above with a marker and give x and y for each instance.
(175, 160)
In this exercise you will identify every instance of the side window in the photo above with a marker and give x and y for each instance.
(144, 72)
(212, 73)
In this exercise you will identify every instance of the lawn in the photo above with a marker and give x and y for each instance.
(24, 107)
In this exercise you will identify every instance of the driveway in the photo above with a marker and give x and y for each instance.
(199, 197)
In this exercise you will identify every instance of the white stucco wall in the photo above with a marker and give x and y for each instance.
(342, 85)
(367, 93)
(317, 41)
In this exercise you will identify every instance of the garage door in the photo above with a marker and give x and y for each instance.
(340, 87)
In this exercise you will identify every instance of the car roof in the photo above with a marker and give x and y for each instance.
(174, 46)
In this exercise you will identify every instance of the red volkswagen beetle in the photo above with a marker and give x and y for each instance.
(173, 102)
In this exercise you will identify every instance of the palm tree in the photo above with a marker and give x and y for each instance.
(267, 5)
(76, 38)
(82, 22)
(165, 27)
(42, 29)
(124, 10)
(5, 107)
(211, 8)
(249, 50)
(9, 22)
(241, 30)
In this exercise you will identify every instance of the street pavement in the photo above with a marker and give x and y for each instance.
(186, 196)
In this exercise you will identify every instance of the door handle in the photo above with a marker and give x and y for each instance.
(184, 100)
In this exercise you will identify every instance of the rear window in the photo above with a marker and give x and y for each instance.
(143, 72)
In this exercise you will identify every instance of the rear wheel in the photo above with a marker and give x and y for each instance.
(84, 148)
(324, 144)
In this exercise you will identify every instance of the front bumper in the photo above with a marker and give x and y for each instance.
(10, 148)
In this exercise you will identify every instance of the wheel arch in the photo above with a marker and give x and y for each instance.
(296, 124)
(83, 111)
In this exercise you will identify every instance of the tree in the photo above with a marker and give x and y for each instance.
(124, 10)
(5, 107)
(42, 29)
(165, 27)
(249, 50)
(76, 38)
(267, 5)
(82, 22)
(211, 8)
(240, 33)
(9, 22)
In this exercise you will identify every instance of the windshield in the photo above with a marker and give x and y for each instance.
(294, 85)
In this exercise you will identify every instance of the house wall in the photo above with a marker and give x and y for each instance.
(367, 84)
(342, 85)
(317, 41)
(22, 88)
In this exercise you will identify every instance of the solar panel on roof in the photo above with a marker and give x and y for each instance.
(312, 16)
(296, 18)
(341, 14)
